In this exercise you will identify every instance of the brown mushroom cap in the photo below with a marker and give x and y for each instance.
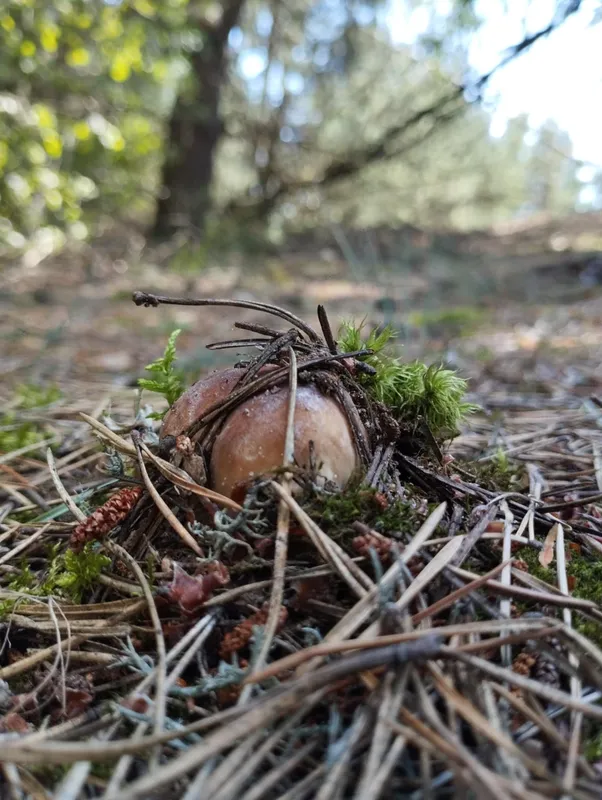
(198, 398)
(251, 442)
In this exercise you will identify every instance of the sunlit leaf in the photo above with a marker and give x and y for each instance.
(78, 57)
(53, 145)
(81, 131)
(144, 7)
(45, 116)
(28, 49)
(120, 69)
(49, 35)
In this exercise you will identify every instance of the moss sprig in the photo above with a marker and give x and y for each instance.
(165, 380)
(412, 390)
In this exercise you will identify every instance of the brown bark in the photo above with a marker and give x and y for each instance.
(195, 129)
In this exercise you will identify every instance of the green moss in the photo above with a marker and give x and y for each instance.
(585, 573)
(17, 433)
(68, 576)
(593, 747)
(458, 321)
(413, 391)
(336, 513)
(500, 474)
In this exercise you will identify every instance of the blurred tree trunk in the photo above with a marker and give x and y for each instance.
(195, 129)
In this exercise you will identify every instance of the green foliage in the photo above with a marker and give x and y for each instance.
(337, 512)
(87, 89)
(500, 473)
(81, 86)
(593, 747)
(460, 320)
(68, 575)
(166, 380)
(79, 572)
(16, 433)
(413, 391)
(585, 572)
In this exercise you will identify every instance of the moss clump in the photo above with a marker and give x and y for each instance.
(500, 474)
(68, 576)
(585, 579)
(335, 513)
(413, 391)
(593, 747)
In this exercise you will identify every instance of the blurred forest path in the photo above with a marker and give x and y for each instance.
(519, 307)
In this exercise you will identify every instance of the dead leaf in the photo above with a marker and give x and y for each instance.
(189, 592)
(546, 556)
(13, 723)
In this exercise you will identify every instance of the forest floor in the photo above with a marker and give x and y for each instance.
(520, 315)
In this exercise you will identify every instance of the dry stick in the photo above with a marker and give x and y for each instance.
(282, 532)
(568, 782)
(584, 501)
(473, 536)
(331, 342)
(195, 637)
(181, 478)
(393, 692)
(271, 349)
(175, 523)
(355, 577)
(63, 493)
(261, 789)
(24, 544)
(42, 655)
(147, 299)
(160, 696)
(448, 631)
(506, 576)
(528, 684)
(240, 722)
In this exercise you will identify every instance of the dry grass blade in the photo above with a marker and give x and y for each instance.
(282, 532)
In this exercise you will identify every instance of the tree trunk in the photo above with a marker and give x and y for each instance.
(195, 129)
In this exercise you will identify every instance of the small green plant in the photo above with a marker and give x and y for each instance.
(413, 391)
(69, 575)
(165, 380)
(16, 433)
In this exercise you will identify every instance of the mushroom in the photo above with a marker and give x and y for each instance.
(251, 440)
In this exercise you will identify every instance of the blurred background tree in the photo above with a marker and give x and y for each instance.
(271, 115)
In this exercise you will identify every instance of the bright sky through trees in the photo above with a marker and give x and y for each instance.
(559, 78)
